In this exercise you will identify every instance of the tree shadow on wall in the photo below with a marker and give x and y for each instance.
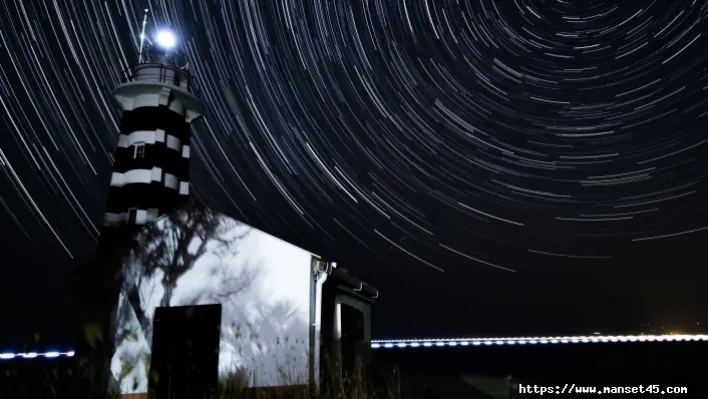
(166, 250)
(268, 349)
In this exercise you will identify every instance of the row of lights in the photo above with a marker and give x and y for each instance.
(452, 342)
(33, 355)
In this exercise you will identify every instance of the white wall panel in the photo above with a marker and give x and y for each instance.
(263, 284)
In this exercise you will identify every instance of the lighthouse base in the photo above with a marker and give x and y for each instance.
(97, 289)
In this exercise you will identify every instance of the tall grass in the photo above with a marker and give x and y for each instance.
(360, 383)
(60, 378)
(59, 383)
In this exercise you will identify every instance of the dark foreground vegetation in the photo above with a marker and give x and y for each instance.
(53, 378)
(449, 373)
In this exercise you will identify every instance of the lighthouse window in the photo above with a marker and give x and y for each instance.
(138, 150)
(132, 215)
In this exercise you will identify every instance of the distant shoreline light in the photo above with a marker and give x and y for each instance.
(453, 342)
(34, 355)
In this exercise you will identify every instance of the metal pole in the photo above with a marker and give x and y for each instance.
(142, 37)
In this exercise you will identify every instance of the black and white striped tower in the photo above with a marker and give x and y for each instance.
(150, 178)
(151, 171)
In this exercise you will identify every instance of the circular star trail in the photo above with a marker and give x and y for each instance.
(475, 133)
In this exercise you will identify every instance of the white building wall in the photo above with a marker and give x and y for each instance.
(263, 284)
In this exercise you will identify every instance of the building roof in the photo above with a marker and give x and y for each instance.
(342, 277)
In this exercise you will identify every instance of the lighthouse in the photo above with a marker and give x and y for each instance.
(150, 179)
(151, 172)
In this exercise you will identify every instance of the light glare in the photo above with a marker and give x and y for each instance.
(165, 39)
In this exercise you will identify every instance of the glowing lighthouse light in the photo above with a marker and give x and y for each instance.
(166, 39)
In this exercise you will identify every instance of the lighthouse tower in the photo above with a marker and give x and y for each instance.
(151, 172)
(150, 178)
(150, 175)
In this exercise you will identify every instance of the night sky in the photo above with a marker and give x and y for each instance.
(493, 167)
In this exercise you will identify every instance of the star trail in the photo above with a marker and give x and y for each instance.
(447, 135)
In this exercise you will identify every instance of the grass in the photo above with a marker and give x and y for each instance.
(56, 381)
(359, 384)
(59, 377)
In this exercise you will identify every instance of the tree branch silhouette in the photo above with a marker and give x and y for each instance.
(171, 247)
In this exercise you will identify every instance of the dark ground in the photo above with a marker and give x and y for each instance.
(440, 372)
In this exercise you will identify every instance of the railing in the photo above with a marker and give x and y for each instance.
(165, 73)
